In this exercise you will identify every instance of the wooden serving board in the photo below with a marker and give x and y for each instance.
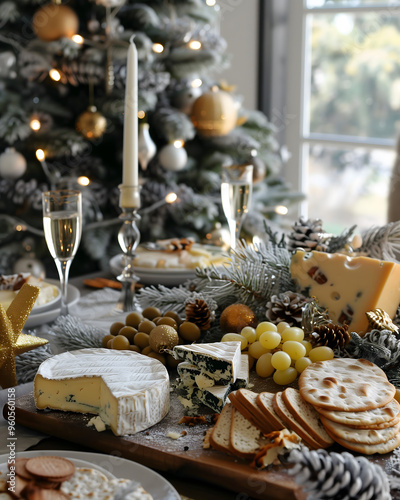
(184, 457)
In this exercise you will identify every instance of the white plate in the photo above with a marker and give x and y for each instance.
(152, 482)
(52, 303)
(153, 276)
(48, 315)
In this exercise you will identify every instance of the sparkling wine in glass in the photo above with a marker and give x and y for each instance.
(236, 191)
(62, 223)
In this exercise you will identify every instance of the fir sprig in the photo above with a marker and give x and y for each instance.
(382, 242)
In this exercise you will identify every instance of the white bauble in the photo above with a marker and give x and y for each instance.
(147, 148)
(12, 164)
(173, 158)
(30, 265)
(7, 61)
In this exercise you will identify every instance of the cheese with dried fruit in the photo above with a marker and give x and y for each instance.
(348, 287)
(129, 391)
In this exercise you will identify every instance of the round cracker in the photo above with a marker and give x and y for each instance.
(369, 418)
(363, 436)
(345, 384)
(49, 467)
(370, 449)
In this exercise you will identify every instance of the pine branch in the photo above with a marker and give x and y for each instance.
(166, 299)
(382, 242)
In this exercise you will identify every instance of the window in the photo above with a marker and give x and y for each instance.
(343, 108)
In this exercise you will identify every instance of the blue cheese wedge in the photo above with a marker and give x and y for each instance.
(127, 390)
(193, 375)
(220, 360)
(191, 394)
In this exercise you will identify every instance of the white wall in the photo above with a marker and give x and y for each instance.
(239, 27)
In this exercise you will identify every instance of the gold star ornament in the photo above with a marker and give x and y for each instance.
(12, 341)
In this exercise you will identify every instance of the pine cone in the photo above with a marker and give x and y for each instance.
(308, 235)
(287, 306)
(334, 336)
(198, 312)
(338, 476)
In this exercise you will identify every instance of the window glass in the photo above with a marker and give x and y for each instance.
(355, 74)
(348, 186)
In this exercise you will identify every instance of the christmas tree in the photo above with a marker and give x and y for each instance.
(62, 81)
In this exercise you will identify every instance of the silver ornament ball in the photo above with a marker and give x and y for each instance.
(173, 158)
(12, 164)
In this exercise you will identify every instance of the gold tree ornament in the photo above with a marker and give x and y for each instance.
(12, 341)
(380, 320)
(91, 123)
(54, 21)
(214, 113)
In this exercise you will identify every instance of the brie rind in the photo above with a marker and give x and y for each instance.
(129, 391)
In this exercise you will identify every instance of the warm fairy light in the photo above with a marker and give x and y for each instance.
(78, 39)
(195, 45)
(40, 154)
(83, 180)
(18, 227)
(211, 3)
(141, 114)
(158, 48)
(281, 209)
(35, 124)
(171, 197)
(197, 82)
(55, 75)
(179, 143)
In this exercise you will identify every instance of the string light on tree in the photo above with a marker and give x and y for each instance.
(173, 156)
(35, 124)
(55, 75)
(158, 48)
(194, 45)
(12, 164)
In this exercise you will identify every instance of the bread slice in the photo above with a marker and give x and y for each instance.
(306, 416)
(282, 410)
(220, 435)
(245, 438)
(264, 401)
(249, 409)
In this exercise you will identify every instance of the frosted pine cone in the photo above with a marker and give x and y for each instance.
(331, 335)
(287, 306)
(308, 235)
(338, 476)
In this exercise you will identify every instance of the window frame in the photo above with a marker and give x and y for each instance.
(296, 134)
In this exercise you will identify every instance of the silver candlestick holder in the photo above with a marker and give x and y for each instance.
(128, 239)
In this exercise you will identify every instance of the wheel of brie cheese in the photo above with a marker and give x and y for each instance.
(129, 391)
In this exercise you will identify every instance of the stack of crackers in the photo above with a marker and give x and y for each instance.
(355, 402)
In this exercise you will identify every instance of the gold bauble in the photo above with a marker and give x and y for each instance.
(235, 317)
(214, 113)
(163, 337)
(52, 22)
(91, 124)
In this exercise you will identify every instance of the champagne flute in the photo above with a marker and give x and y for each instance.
(236, 192)
(62, 223)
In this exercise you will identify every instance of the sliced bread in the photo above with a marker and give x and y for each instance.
(291, 422)
(220, 435)
(264, 401)
(306, 416)
(248, 408)
(245, 438)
